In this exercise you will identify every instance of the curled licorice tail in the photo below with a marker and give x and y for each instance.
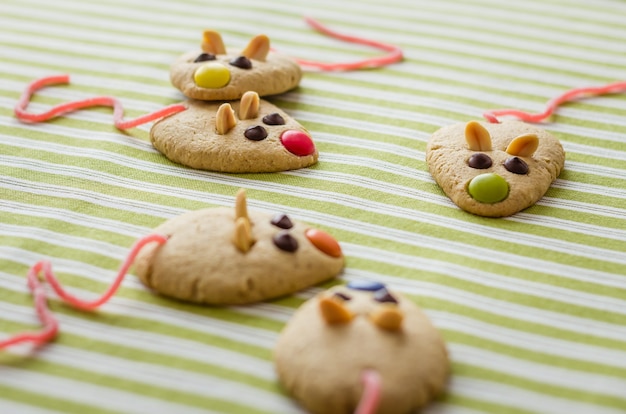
(118, 109)
(371, 392)
(49, 322)
(571, 95)
(394, 52)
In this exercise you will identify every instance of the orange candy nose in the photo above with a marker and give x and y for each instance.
(324, 242)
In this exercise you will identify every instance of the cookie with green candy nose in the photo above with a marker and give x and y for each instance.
(494, 170)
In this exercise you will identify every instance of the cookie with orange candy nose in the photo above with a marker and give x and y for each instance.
(231, 256)
(494, 169)
(361, 348)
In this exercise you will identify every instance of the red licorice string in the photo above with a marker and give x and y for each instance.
(394, 55)
(573, 94)
(371, 393)
(118, 109)
(49, 322)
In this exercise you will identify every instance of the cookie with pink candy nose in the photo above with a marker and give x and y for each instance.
(362, 349)
(246, 136)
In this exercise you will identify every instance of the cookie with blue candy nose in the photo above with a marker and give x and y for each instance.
(361, 345)
(494, 170)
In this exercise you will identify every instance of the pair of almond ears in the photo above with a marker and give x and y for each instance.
(258, 47)
(225, 119)
(386, 316)
(479, 139)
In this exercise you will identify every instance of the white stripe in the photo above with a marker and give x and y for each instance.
(121, 306)
(553, 375)
(166, 345)
(7, 406)
(384, 114)
(90, 394)
(188, 382)
(73, 217)
(65, 240)
(497, 392)
(492, 280)
(557, 320)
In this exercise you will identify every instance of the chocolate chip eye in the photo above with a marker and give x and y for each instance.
(285, 241)
(255, 133)
(342, 296)
(516, 165)
(282, 221)
(273, 119)
(383, 296)
(203, 57)
(241, 62)
(480, 161)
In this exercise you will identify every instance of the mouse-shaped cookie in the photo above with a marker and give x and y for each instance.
(348, 332)
(250, 135)
(494, 169)
(231, 256)
(217, 74)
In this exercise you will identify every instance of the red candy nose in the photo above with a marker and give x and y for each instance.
(297, 142)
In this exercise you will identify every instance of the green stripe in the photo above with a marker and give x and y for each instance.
(146, 325)
(541, 329)
(179, 362)
(525, 354)
(140, 388)
(45, 401)
(483, 406)
(538, 386)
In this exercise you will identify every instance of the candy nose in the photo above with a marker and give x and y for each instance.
(297, 142)
(212, 75)
(324, 242)
(488, 188)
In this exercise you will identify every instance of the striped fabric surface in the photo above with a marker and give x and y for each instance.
(532, 307)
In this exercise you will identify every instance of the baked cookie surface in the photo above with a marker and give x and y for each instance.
(215, 73)
(246, 136)
(334, 337)
(226, 256)
(494, 170)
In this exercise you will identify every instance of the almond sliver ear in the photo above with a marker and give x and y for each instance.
(212, 43)
(243, 235)
(225, 119)
(258, 48)
(241, 205)
(334, 312)
(249, 106)
(524, 145)
(477, 137)
(387, 317)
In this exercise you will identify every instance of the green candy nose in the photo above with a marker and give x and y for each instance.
(488, 188)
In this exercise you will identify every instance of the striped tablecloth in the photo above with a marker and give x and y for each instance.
(533, 307)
